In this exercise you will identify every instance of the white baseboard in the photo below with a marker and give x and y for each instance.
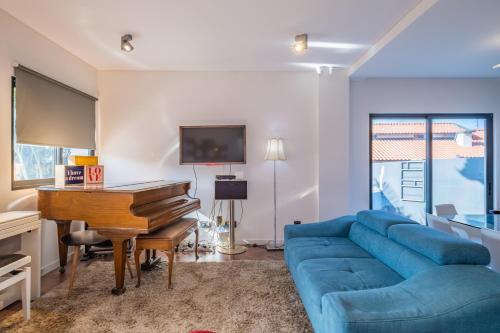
(53, 265)
(256, 241)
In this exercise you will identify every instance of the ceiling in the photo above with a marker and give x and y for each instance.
(212, 34)
(454, 38)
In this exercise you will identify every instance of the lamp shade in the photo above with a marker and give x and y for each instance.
(275, 150)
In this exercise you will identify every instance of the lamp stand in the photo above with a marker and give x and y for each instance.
(232, 248)
(273, 245)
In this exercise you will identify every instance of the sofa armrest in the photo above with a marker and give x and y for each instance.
(338, 227)
(452, 298)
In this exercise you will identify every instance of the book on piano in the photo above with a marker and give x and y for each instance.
(67, 175)
(83, 160)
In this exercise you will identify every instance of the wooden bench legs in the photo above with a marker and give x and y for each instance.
(167, 245)
(137, 254)
(170, 256)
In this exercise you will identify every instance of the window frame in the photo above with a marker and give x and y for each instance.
(489, 151)
(30, 183)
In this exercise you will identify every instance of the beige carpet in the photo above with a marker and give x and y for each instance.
(235, 296)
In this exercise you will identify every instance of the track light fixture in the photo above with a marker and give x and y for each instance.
(126, 45)
(300, 43)
(321, 69)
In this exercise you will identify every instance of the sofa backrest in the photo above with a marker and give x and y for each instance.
(440, 247)
(381, 221)
(401, 259)
(408, 247)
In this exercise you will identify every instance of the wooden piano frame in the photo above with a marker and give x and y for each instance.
(119, 212)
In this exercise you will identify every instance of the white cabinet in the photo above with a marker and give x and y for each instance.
(26, 224)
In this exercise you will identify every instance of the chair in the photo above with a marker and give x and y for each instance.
(491, 239)
(15, 263)
(473, 234)
(446, 210)
(86, 238)
(442, 224)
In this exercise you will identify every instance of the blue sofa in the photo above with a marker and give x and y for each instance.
(379, 272)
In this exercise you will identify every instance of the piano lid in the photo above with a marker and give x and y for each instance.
(130, 187)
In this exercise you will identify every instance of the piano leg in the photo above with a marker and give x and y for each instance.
(63, 228)
(120, 256)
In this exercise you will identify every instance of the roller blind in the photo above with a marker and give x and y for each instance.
(51, 113)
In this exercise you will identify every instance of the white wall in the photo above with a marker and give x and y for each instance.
(20, 44)
(140, 113)
(333, 128)
(413, 96)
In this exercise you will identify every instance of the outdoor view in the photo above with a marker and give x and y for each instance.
(38, 162)
(399, 165)
(33, 162)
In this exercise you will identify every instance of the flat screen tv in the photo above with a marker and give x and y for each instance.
(223, 144)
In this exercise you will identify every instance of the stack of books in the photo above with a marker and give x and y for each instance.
(81, 170)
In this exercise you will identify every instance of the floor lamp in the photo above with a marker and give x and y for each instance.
(275, 152)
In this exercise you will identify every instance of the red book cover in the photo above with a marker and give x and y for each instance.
(94, 174)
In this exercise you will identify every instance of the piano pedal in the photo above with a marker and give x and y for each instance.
(151, 264)
(88, 256)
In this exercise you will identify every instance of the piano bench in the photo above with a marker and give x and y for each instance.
(166, 239)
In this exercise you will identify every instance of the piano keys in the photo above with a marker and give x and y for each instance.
(117, 211)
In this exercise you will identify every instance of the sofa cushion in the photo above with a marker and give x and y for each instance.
(452, 298)
(380, 221)
(400, 258)
(317, 277)
(440, 247)
(303, 248)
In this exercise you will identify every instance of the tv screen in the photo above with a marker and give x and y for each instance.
(212, 144)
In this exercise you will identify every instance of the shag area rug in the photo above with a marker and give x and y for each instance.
(224, 297)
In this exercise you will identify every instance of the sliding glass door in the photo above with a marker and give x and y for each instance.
(419, 161)
(398, 165)
(459, 163)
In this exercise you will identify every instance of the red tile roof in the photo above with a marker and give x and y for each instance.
(478, 135)
(415, 128)
(407, 150)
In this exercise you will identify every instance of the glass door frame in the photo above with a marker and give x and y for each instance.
(429, 117)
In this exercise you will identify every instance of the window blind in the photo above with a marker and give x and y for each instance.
(51, 113)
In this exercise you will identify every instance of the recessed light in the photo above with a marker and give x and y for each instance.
(126, 45)
(300, 43)
(497, 66)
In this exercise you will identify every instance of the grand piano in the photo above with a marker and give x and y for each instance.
(119, 212)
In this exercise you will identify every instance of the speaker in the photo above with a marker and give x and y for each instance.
(230, 190)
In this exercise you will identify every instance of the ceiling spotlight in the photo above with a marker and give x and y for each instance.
(497, 66)
(126, 45)
(300, 43)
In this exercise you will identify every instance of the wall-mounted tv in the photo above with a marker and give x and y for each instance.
(225, 144)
